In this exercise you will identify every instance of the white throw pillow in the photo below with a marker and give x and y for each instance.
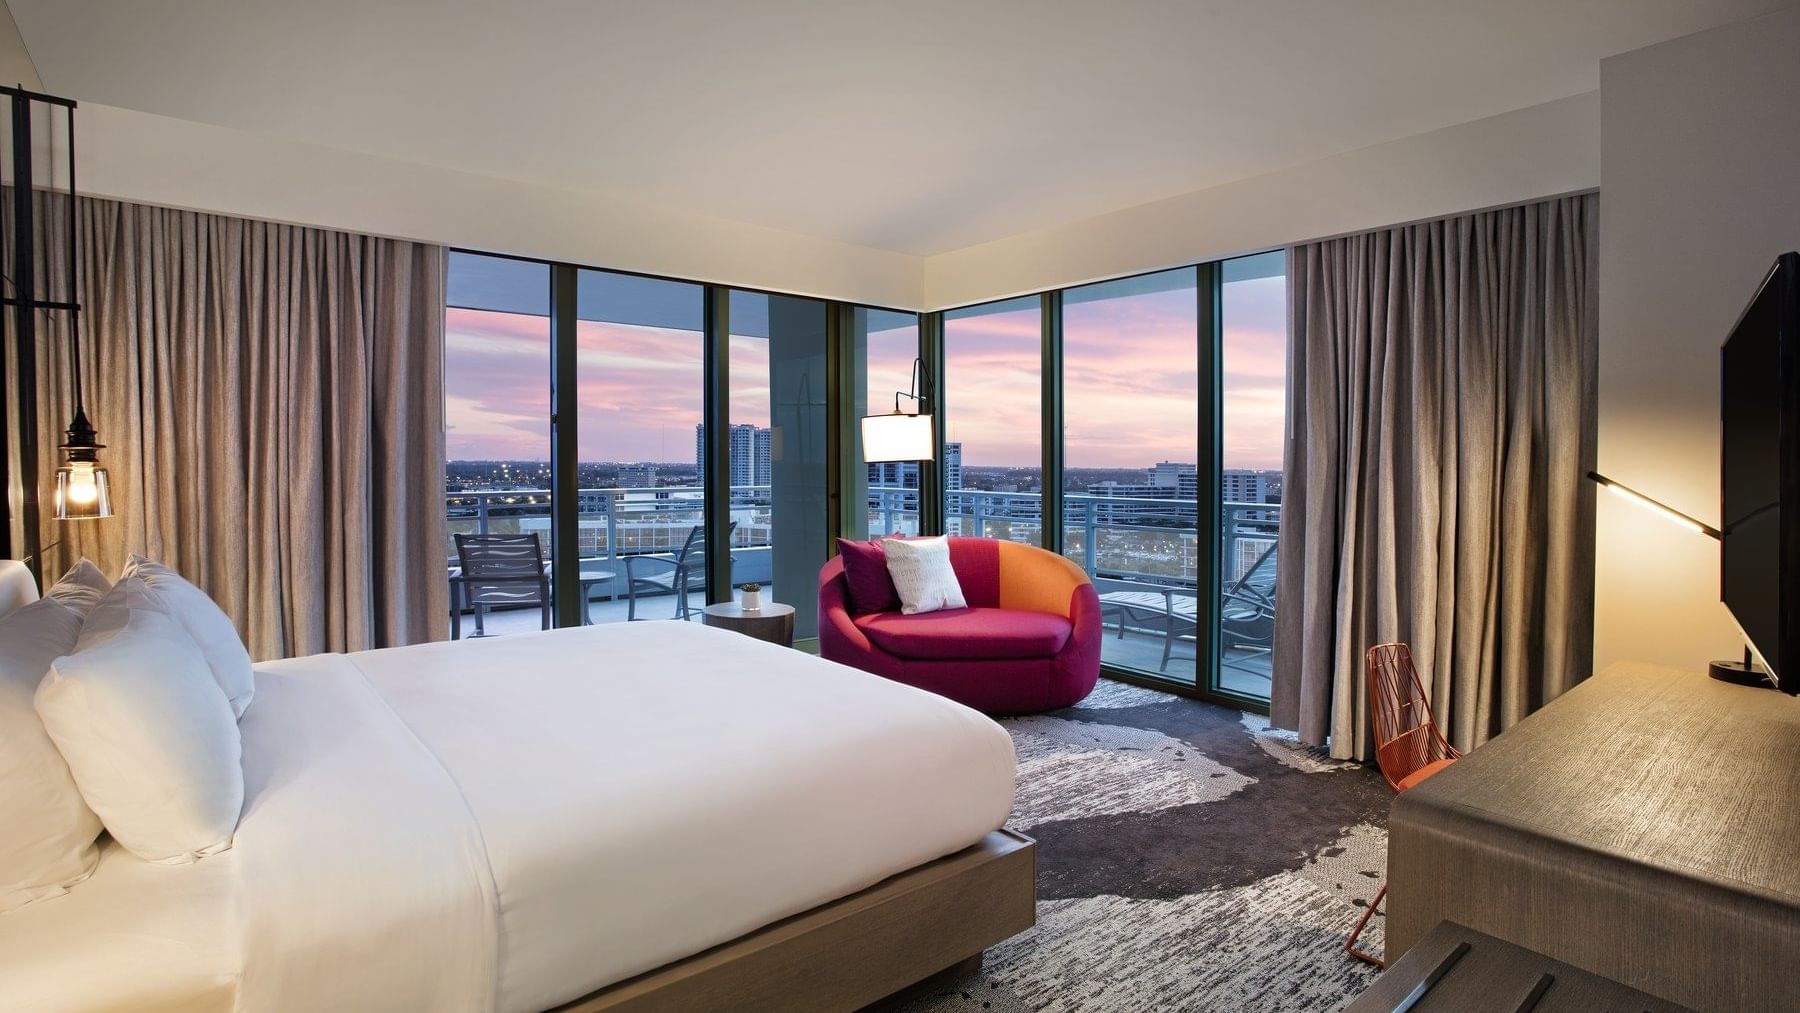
(150, 739)
(46, 831)
(201, 617)
(922, 574)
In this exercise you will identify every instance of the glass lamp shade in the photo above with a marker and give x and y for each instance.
(82, 492)
(897, 437)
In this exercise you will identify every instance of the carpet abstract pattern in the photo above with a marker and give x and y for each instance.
(1189, 858)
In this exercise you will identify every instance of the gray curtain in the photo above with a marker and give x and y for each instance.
(270, 397)
(1442, 420)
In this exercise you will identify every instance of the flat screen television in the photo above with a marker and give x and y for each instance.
(1759, 474)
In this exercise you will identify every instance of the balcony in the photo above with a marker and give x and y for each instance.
(1143, 556)
(1142, 553)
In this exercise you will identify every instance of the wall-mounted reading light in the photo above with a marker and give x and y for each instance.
(1664, 510)
(898, 435)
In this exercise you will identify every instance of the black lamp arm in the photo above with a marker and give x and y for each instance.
(919, 379)
(1706, 529)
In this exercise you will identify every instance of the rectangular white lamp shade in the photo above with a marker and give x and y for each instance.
(897, 437)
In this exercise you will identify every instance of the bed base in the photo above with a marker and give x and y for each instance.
(855, 951)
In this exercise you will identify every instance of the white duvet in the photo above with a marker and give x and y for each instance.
(512, 823)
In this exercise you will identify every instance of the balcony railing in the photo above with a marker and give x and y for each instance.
(1120, 541)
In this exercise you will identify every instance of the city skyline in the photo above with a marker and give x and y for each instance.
(640, 385)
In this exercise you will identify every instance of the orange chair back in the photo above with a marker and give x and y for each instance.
(1407, 739)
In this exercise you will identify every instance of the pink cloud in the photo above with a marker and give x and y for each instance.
(1129, 383)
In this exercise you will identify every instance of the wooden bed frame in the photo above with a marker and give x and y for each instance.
(855, 951)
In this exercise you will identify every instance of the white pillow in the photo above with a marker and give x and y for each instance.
(200, 616)
(46, 831)
(82, 588)
(922, 574)
(149, 737)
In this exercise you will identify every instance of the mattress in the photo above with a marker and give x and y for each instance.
(512, 823)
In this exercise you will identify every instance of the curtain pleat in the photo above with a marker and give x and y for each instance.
(271, 401)
(1442, 398)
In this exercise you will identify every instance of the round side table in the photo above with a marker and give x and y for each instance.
(773, 622)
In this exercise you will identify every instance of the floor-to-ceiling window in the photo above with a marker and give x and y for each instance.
(882, 348)
(640, 386)
(497, 401)
(1252, 443)
(991, 402)
(779, 477)
(1131, 430)
(1169, 405)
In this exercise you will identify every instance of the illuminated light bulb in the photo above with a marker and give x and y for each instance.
(82, 489)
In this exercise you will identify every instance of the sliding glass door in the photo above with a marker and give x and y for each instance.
(640, 388)
(496, 413)
(1252, 445)
(1131, 429)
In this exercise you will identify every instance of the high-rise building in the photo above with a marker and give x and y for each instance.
(636, 476)
(752, 457)
(762, 468)
(1245, 485)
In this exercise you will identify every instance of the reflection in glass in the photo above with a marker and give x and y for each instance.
(778, 475)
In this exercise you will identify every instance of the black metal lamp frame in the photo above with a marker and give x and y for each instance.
(18, 265)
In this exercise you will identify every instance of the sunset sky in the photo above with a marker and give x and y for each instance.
(1129, 382)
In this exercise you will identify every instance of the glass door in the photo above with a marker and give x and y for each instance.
(496, 420)
(640, 385)
(991, 398)
(1131, 429)
(1252, 444)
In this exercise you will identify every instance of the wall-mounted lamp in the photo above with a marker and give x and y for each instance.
(898, 435)
(1664, 510)
(1742, 673)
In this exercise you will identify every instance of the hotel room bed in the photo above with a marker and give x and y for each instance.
(515, 823)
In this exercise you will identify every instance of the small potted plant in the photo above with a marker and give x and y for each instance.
(752, 599)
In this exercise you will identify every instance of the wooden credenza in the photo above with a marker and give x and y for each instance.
(1644, 827)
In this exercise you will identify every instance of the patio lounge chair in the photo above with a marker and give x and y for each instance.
(1246, 610)
(1176, 608)
(679, 574)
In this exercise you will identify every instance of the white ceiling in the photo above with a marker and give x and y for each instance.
(918, 126)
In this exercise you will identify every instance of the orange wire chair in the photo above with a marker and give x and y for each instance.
(1408, 745)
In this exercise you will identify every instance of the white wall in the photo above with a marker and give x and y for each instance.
(151, 159)
(16, 67)
(1524, 155)
(1701, 190)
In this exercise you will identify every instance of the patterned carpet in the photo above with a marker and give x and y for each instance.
(1189, 858)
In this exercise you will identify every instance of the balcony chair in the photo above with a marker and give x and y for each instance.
(685, 572)
(498, 570)
(1408, 745)
(1176, 608)
(1029, 640)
